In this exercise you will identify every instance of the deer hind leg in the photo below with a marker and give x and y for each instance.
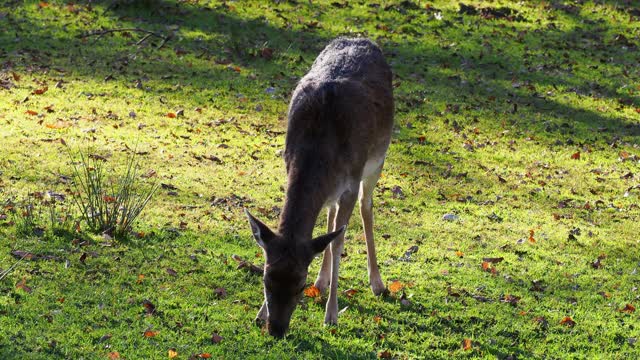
(324, 276)
(367, 186)
(263, 314)
(345, 208)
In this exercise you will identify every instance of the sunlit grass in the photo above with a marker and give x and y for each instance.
(460, 147)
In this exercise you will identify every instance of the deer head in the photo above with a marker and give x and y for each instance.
(285, 271)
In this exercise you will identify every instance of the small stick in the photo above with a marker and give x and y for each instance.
(100, 33)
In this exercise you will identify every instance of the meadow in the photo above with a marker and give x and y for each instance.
(506, 218)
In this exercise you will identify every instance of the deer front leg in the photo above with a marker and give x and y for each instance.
(345, 207)
(263, 314)
(324, 276)
(366, 211)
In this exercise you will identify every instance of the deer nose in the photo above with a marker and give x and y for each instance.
(277, 329)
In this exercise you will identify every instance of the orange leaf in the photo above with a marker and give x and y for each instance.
(172, 353)
(16, 77)
(629, 309)
(459, 254)
(485, 266)
(43, 4)
(150, 334)
(204, 356)
(396, 286)
(31, 112)
(567, 320)
(377, 319)
(59, 125)
(113, 355)
(171, 115)
(312, 291)
(466, 344)
(140, 279)
(531, 239)
(108, 199)
(40, 91)
(576, 156)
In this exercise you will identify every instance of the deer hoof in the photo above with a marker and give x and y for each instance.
(331, 319)
(378, 288)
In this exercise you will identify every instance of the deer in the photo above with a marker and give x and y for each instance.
(340, 121)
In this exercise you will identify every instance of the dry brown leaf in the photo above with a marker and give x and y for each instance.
(466, 344)
(568, 321)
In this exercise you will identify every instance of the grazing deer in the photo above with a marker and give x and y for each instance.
(339, 129)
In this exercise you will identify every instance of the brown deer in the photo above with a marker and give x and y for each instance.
(339, 129)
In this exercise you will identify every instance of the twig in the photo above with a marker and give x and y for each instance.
(100, 33)
(6, 272)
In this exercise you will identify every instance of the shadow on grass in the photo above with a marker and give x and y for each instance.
(487, 72)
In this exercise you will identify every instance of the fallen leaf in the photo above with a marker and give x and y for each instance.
(43, 4)
(172, 353)
(149, 308)
(105, 337)
(31, 112)
(40, 91)
(140, 279)
(215, 338)
(377, 319)
(58, 125)
(350, 292)
(220, 293)
(466, 344)
(395, 286)
(384, 354)
(568, 321)
(150, 333)
(312, 291)
(459, 254)
(171, 115)
(109, 199)
(22, 284)
(266, 53)
(113, 355)
(576, 156)
(486, 266)
(531, 238)
(628, 309)
(493, 260)
(204, 356)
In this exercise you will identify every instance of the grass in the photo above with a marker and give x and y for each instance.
(523, 124)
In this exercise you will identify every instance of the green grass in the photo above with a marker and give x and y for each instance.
(488, 115)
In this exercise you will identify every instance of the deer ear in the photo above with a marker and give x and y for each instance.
(321, 242)
(260, 231)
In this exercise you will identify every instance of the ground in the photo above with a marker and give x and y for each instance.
(506, 215)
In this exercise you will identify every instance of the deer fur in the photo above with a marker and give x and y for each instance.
(339, 128)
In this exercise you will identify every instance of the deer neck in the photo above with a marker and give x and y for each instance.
(305, 198)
